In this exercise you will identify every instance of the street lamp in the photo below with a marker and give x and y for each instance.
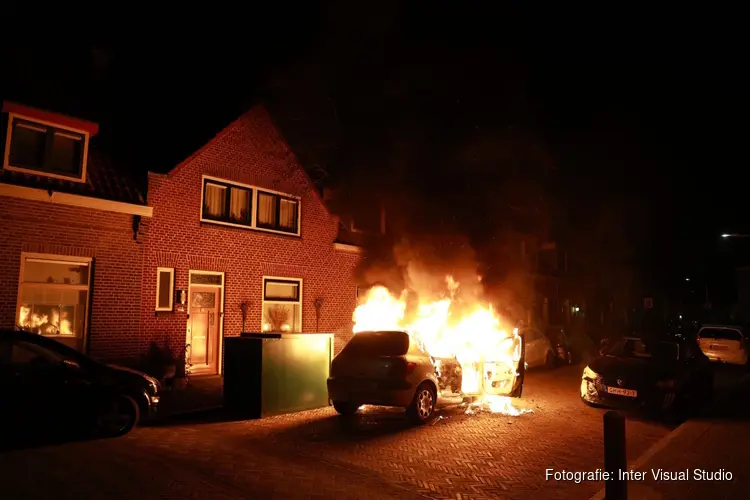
(735, 235)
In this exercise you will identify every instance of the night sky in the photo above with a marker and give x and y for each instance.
(644, 109)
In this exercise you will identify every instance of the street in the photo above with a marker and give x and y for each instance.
(317, 455)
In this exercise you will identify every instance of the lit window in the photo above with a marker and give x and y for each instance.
(278, 213)
(282, 305)
(46, 149)
(227, 202)
(54, 296)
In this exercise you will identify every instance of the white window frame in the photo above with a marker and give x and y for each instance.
(264, 301)
(160, 270)
(9, 138)
(61, 259)
(254, 206)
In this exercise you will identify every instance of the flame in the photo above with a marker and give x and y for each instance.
(52, 323)
(473, 334)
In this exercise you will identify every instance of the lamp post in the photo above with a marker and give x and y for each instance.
(735, 235)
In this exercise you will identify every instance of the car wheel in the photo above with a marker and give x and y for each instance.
(345, 408)
(117, 416)
(423, 405)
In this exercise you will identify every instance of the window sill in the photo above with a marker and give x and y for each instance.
(250, 228)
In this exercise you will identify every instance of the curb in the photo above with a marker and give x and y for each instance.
(663, 442)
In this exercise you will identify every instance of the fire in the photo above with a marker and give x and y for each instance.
(45, 324)
(473, 334)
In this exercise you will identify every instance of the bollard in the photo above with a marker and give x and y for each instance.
(615, 459)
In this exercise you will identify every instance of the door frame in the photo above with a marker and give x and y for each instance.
(220, 349)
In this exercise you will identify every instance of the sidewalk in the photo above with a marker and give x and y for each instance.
(201, 393)
(716, 443)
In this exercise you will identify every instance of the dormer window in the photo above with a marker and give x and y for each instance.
(43, 143)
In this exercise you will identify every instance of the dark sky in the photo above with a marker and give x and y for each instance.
(646, 106)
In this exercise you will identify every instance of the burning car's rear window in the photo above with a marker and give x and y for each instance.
(379, 344)
(720, 334)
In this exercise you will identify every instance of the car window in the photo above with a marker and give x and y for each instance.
(379, 344)
(720, 334)
(27, 353)
(638, 349)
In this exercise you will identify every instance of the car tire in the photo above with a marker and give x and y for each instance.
(422, 406)
(345, 408)
(117, 416)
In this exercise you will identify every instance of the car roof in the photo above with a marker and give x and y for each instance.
(726, 327)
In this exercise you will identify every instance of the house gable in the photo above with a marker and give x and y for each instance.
(251, 156)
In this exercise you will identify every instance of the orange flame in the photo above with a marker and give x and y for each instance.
(471, 333)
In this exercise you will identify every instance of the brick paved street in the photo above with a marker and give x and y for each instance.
(317, 455)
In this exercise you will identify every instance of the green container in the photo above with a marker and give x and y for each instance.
(272, 374)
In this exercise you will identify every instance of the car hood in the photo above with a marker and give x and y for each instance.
(632, 371)
(129, 374)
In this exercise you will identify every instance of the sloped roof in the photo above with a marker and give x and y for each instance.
(103, 179)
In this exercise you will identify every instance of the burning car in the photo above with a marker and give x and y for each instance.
(436, 356)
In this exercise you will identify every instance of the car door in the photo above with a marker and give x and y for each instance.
(49, 397)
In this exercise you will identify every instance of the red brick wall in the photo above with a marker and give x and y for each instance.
(249, 151)
(34, 226)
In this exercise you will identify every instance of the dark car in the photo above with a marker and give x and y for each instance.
(657, 375)
(49, 387)
(387, 368)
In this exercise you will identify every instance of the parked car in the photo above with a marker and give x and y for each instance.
(561, 345)
(724, 343)
(387, 368)
(48, 386)
(655, 375)
(539, 350)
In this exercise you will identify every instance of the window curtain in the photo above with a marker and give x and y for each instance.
(215, 200)
(239, 204)
(266, 209)
(288, 215)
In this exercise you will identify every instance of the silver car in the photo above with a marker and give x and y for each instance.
(386, 368)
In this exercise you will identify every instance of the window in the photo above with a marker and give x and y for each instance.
(227, 202)
(53, 295)
(282, 305)
(164, 289)
(231, 204)
(277, 213)
(46, 149)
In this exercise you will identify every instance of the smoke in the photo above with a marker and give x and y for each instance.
(419, 264)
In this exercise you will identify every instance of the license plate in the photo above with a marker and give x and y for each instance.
(715, 347)
(622, 392)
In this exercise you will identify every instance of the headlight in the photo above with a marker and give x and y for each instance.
(153, 383)
(589, 373)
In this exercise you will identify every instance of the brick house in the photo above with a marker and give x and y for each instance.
(236, 224)
(70, 264)
(240, 222)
